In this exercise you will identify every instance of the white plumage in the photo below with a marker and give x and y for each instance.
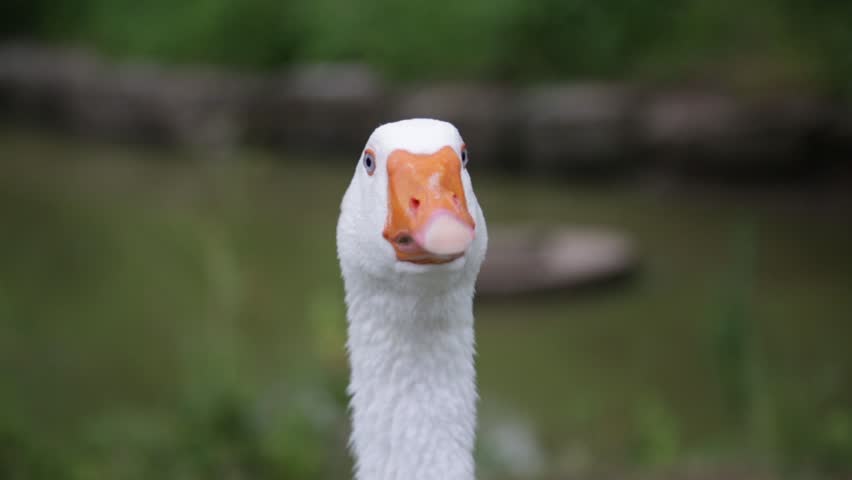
(410, 323)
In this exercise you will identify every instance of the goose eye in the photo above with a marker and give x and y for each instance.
(464, 156)
(369, 162)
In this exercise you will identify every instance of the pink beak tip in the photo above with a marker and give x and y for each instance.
(446, 235)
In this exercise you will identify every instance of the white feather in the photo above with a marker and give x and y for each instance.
(411, 341)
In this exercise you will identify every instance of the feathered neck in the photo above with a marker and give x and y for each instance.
(413, 393)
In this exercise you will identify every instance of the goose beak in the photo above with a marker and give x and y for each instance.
(428, 220)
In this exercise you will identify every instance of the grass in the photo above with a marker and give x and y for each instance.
(166, 314)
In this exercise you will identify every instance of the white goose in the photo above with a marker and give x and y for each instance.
(411, 238)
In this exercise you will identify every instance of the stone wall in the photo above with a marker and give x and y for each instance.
(608, 128)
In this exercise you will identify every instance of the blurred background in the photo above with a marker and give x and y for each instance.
(672, 177)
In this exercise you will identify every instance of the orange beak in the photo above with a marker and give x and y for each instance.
(428, 220)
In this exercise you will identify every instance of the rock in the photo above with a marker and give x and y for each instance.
(690, 120)
(482, 113)
(39, 85)
(718, 132)
(332, 108)
(207, 108)
(124, 104)
(576, 127)
(325, 107)
(72, 91)
(188, 107)
(527, 259)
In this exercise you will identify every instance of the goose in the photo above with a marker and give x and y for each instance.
(411, 237)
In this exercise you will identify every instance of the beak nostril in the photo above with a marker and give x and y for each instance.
(404, 239)
(456, 201)
(414, 204)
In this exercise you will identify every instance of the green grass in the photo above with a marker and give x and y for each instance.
(167, 314)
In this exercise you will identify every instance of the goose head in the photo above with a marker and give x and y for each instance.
(410, 212)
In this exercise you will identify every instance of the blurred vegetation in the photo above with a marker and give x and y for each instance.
(163, 316)
(759, 44)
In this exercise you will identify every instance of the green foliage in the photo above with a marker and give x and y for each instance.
(657, 440)
(745, 385)
(817, 425)
(768, 416)
(584, 38)
(834, 441)
(251, 33)
(19, 16)
(22, 458)
(733, 336)
(229, 435)
(753, 43)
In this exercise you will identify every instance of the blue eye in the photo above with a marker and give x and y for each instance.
(369, 162)
(464, 156)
